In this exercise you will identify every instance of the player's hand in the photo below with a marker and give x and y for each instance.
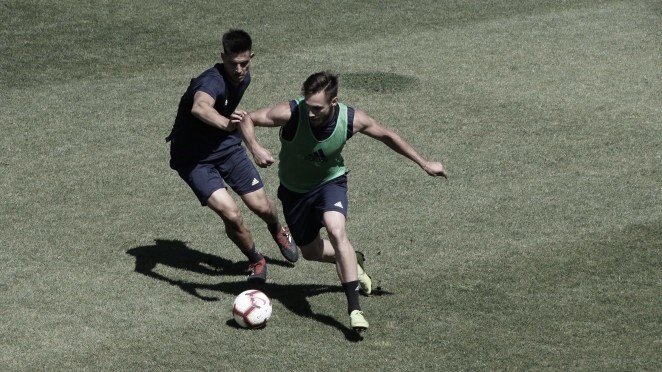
(435, 168)
(262, 157)
(235, 120)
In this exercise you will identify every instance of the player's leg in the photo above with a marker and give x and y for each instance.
(260, 204)
(265, 208)
(334, 205)
(323, 250)
(209, 186)
(304, 222)
(319, 250)
(224, 206)
(345, 257)
(240, 174)
(305, 215)
(346, 265)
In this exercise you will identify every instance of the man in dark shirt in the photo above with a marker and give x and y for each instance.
(207, 154)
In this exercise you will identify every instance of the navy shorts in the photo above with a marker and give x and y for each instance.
(236, 171)
(303, 212)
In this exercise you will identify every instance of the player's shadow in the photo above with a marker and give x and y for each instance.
(176, 254)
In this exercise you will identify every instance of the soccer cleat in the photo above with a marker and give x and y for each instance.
(287, 246)
(258, 271)
(365, 282)
(357, 321)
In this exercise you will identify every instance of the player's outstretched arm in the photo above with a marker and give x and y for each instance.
(275, 116)
(370, 127)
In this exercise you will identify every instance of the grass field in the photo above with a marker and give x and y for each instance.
(541, 252)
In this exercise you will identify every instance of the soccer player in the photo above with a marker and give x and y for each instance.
(313, 180)
(207, 154)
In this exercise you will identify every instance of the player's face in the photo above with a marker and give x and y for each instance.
(320, 108)
(237, 66)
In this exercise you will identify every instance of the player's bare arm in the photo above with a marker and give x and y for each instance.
(203, 109)
(275, 116)
(372, 128)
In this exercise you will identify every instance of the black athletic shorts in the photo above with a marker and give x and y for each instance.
(303, 212)
(236, 171)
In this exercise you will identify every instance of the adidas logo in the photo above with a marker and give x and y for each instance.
(317, 157)
(255, 182)
(339, 205)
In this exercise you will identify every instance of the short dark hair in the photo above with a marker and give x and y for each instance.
(321, 81)
(236, 41)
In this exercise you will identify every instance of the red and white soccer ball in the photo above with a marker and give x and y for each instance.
(251, 309)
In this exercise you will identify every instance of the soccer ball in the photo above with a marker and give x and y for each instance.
(251, 309)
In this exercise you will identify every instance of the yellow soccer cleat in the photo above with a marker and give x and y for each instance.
(357, 321)
(365, 282)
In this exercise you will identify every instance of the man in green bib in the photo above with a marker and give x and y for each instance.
(313, 180)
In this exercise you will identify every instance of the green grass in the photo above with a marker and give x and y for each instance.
(542, 250)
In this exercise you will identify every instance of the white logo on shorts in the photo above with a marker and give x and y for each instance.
(339, 205)
(255, 182)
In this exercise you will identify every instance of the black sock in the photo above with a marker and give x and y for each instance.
(252, 254)
(352, 294)
(274, 227)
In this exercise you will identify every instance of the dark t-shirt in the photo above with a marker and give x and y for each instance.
(193, 141)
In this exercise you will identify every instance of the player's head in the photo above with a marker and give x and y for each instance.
(320, 91)
(237, 55)
(236, 41)
(321, 82)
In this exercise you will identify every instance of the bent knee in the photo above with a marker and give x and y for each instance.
(259, 203)
(231, 216)
(264, 209)
(337, 233)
